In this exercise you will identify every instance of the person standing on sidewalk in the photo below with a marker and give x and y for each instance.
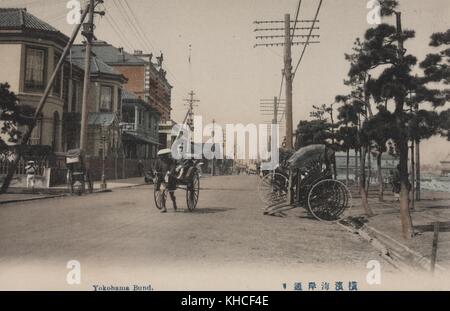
(140, 167)
(30, 170)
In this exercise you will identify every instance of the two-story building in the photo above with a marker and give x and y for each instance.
(139, 127)
(30, 50)
(147, 80)
(104, 105)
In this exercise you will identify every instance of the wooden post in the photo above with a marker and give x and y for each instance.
(435, 246)
(288, 78)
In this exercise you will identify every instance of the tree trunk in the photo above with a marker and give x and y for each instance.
(418, 170)
(362, 184)
(347, 167)
(380, 178)
(405, 215)
(369, 170)
(356, 167)
(413, 176)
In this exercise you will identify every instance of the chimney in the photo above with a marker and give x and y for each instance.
(121, 53)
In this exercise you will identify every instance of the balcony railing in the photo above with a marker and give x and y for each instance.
(139, 130)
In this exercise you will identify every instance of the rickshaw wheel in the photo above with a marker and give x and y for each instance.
(160, 196)
(273, 188)
(193, 192)
(328, 199)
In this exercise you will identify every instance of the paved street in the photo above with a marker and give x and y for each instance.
(122, 236)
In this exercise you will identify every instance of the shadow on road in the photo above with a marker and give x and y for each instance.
(209, 210)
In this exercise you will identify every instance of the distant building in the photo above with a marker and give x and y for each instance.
(104, 105)
(140, 126)
(146, 79)
(388, 163)
(445, 166)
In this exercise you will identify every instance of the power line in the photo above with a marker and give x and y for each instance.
(279, 29)
(282, 43)
(116, 29)
(296, 18)
(139, 24)
(307, 40)
(130, 22)
(135, 24)
(282, 36)
(292, 21)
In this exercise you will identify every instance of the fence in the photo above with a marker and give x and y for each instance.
(114, 168)
(40, 167)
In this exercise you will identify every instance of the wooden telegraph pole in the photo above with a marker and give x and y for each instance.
(88, 32)
(288, 76)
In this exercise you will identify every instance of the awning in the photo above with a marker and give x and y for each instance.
(101, 118)
(139, 138)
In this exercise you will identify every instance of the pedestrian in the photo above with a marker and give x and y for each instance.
(30, 170)
(140, 167)
(165, 172)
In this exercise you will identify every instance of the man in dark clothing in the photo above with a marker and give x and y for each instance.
(140, 167)
(165, 172)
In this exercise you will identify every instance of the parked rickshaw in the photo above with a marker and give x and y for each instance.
(306, 180)
(78, 178)
(187, 178)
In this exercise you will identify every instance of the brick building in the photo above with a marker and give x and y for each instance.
(147, 81)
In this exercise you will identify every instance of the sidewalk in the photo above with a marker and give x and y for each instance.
(22, 194)
(384, 229)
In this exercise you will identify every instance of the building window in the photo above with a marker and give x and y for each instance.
(119, 101)
(140, 116)
(106, 98)
(57, 83)
(35, 73)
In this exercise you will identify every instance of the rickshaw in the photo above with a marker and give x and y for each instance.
(187, 178)
(77, 175)
(306, 180)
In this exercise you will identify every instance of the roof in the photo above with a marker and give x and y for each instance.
(98, 66)
(140, 138)
(131, 99)
(447, 159)
(101, 118)
(20, 19)
(128, 96)
(117, 56)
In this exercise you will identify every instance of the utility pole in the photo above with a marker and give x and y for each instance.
(271, 108)
(288, 77)
(287, 71)
(191, 103)
(88, 33)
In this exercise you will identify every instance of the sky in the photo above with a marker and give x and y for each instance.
(227, 73)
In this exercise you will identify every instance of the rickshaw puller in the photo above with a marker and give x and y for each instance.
(165, 166)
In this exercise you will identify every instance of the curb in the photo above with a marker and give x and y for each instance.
(48, 197)
(396, 253)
